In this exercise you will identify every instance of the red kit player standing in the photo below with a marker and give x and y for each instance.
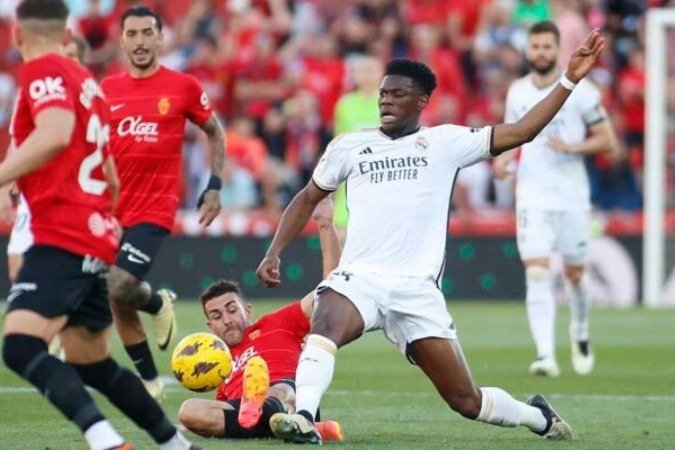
(60, 132)
(149, 106)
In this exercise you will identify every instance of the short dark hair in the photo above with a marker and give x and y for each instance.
(141, 11)
(218, 288)
(545, 26)
(42, 10)
(421, 75)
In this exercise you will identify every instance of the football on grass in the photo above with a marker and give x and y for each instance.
(201, 361)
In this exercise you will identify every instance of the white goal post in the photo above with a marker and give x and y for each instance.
(653, 251)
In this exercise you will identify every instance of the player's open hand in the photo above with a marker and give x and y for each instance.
(268, 271)
(323, 212)
(209, 207)
(584, 57)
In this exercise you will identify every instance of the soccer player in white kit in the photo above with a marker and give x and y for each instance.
(399, 181)
(553, 196)
(20, 239)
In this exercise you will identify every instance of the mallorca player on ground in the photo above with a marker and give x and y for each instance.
(149, 106)
(399, 184)
(264, 355)
(553, 196)
(60, 131)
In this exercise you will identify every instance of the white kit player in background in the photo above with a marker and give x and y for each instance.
(553, 197)
(20, 239)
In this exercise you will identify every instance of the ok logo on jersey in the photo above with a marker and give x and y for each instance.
(46, 87)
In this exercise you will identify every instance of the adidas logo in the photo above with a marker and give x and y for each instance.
(366, 151)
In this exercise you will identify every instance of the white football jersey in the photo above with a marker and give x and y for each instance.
(398, 194)
(548, 179)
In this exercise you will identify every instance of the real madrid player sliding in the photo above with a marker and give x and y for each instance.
(60, 131)
(148, 108)
(393, 256)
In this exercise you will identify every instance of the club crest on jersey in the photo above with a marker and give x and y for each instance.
(421, 143)
(254, 335)
(163, 105)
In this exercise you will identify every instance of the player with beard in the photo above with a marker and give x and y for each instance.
(264, 355)
(399, 184)
(149, 106)
(60, 132)
(553, 197)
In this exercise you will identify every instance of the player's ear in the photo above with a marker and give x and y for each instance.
(422, 102)
(67, 37)
(18, 38)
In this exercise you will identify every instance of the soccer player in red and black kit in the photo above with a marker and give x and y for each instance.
(264, 355)
(60, 132)
(149, 106)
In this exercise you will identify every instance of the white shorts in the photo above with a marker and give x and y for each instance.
(542, 233)
(407, 309)
(21, 237)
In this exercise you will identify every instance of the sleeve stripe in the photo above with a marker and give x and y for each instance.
(321, 187)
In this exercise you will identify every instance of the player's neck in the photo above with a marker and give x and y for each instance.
(541, 80)
(40, 49)
(401, 132)
(137, 72)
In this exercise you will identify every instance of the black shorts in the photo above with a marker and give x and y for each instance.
(53, 282)
(262, 430)
(139, 248)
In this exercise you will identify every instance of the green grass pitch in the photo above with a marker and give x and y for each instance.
(385, 403)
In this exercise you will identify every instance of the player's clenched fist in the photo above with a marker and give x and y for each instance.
(268, 271)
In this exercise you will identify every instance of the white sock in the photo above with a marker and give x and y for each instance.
(579, 312)
(541, 310)
(314, 373)
(177, 442)
(102, 436)
(499, 408)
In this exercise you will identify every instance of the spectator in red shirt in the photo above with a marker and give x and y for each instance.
(632, 97)
(265, 355)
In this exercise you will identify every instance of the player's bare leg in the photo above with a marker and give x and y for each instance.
(583, 358)
(443, 362)
(335, 322)
(89, 354)
(127, 293)
(540, 306)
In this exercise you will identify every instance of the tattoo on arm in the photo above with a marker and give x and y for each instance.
(214, 131)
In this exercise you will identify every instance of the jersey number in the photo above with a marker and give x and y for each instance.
(96, 134)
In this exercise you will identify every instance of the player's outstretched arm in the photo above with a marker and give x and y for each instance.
(292, 222)
(53, 131)
(209, 200)
(508, 136)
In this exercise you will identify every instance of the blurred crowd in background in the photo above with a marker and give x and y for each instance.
(288, 75)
